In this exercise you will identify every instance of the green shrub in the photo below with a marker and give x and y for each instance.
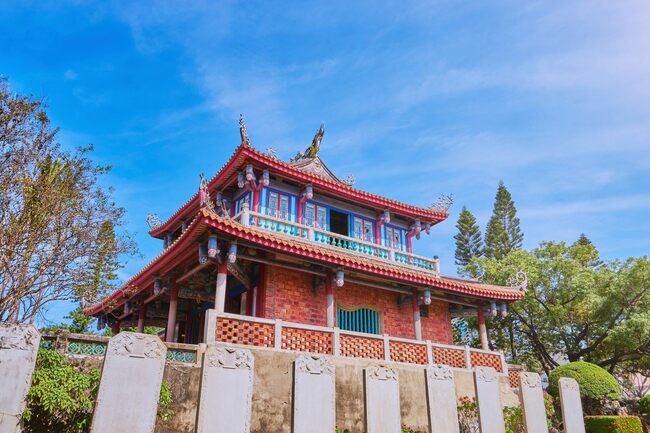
(596, 384)
(61, 398)
(613, 424)
(644, 405)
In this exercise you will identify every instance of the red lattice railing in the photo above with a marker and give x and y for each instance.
(307, 340)
(361, 347)
(513, 378)
(412, 353)
(480, 359)
(449, 356)
(245, 332)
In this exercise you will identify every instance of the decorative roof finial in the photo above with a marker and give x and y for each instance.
(314, 147)
(443, 203)
(242, 131)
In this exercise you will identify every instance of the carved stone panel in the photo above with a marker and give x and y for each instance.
(130, 385)
(314, 403)
(18, 348)
(441, 392)
(571, 406)
(226, 390)
(531, 397)
(490, 410)
(382, 400)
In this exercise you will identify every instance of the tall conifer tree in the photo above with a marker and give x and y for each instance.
(503, 234)
(468, 238)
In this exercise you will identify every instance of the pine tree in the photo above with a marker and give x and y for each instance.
(468, 238)
(503, 234)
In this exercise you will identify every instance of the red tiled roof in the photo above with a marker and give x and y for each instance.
(297, 246)
(246, 153)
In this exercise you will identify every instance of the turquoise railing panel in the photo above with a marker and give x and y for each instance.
(47, 343)
(361, 320)
(78, 347)
(175, 355)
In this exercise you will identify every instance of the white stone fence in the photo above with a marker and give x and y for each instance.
(278, 334)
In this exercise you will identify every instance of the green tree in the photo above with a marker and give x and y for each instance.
(502, 234)
(576, 306)
(468, 239)
(58, 239)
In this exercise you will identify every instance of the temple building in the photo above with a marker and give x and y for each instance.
(287, 255)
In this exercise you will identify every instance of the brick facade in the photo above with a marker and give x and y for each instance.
(291, 296)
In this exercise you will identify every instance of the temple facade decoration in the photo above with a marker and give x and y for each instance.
(265, 241)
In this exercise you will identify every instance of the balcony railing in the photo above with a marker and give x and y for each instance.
(277, 334)
(324, 237)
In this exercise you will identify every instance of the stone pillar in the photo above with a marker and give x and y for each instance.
(127, 400)
(314, 403)
(171, 316)
(18, 348)
(417, 325)
(571, 406)
(531, 397)
(220, 295)
(226, 391)
(141, 315)
(382, 400)
(490, 411)
(482, 329)
(329, 292)
(442, 401)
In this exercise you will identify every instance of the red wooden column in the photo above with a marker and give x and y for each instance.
(417, 326)
(116, 327)
(141, 315)
(171, 317)
(482, 329)
(329, 292)
(220, 293)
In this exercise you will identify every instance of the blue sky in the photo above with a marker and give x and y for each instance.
(418, 98)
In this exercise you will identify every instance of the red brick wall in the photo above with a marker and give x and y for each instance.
(290, 296)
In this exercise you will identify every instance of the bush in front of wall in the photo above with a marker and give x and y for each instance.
(596, 384)
(644, 405)
(613, 424)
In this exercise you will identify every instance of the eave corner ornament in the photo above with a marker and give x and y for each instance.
(204, 195)
(350, 180)
(270, 152)
(242, 131)
(442, 203)
(519, 281)
(314, 147)
(154, 221)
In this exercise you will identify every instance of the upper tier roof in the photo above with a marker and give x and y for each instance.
(304, 169)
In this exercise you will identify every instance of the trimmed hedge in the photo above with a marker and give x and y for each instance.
(644, 404)
(613, 424)
(596, 384)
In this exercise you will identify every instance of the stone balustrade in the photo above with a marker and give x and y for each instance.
(278, 334)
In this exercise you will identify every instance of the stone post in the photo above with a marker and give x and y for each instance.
(531, 397)
(382, 400)
(571, 406)
(127, 400)
(329, 293)
(417, 326)
(220, 295)
(18, 349)
(442, 401)
(226, 391)
(314, 403)
(245, 214)
(490, 411)
(141, 315)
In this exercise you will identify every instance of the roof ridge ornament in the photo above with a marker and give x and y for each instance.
(519, 281)
(442, 203)
(242, 131)
(312, 151)
(154, 221)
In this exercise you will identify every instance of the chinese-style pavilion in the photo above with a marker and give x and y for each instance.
(266, 241)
